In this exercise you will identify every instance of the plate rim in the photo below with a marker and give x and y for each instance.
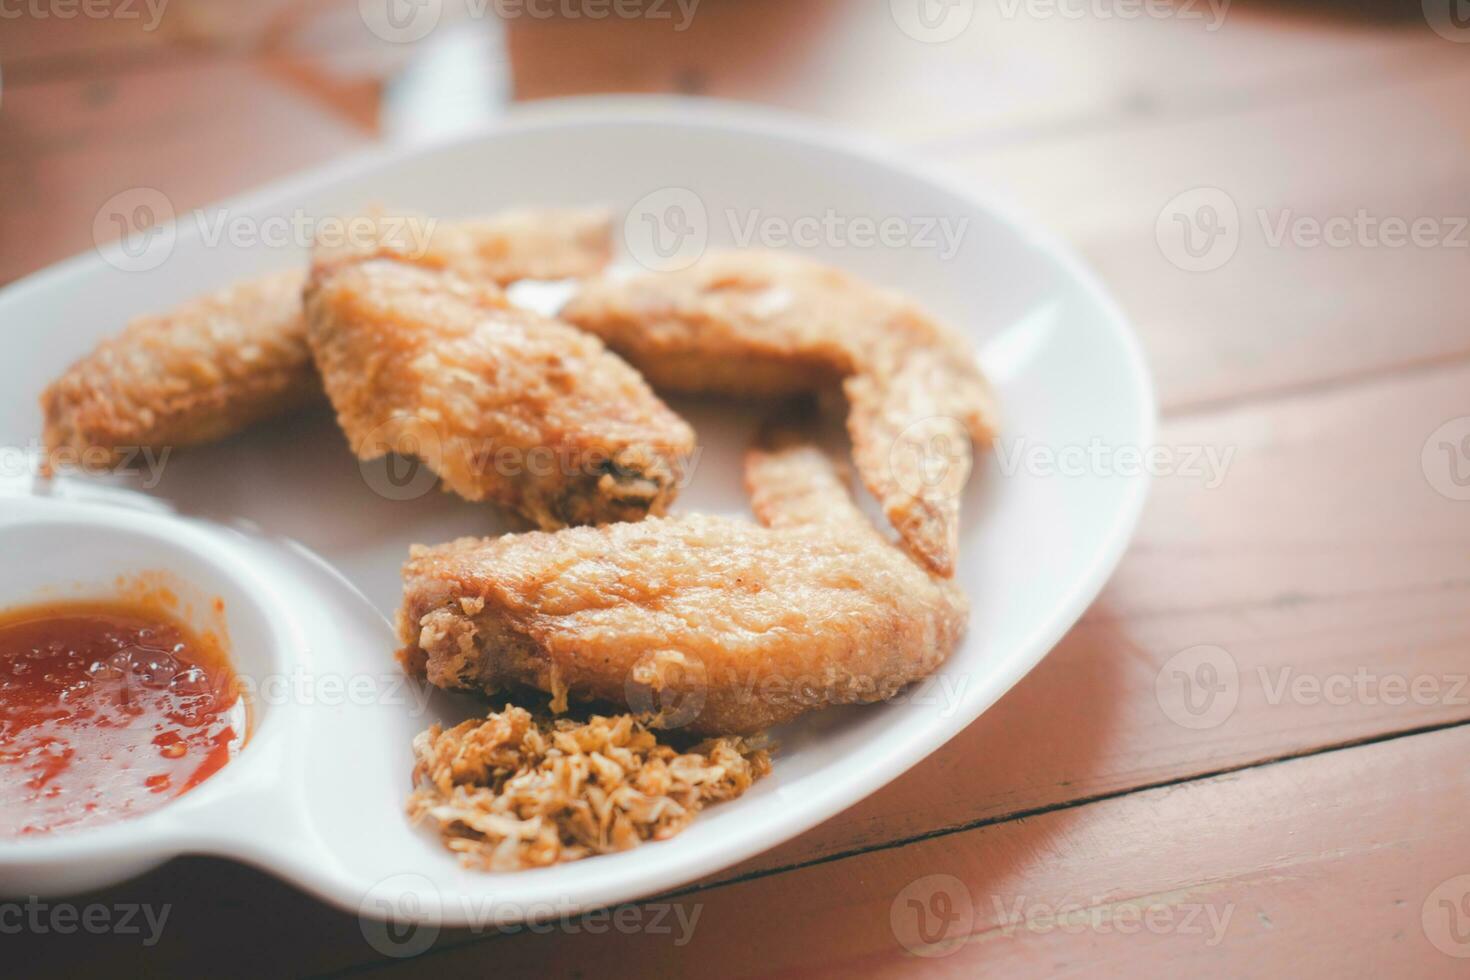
(800, 814)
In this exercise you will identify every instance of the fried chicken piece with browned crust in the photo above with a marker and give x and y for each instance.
(208, 369)
(711, 623)
(524, 243)
(756, 323)
(228, 359)
(504, 405)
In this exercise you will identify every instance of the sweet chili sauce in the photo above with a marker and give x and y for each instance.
(108, 711)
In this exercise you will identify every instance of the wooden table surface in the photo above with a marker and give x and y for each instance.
(1249, 756)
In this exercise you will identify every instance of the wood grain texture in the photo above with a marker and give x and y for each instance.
(194, 132)
(1286, 310)
(1016, 70)
(137, 34)
(1327, 866)
(1337, 864)
(1323, 582)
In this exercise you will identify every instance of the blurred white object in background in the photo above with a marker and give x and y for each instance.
(456, 81)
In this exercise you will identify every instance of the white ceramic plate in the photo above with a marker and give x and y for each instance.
(317, 795)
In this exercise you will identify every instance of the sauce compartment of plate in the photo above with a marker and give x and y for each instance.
(69, 561)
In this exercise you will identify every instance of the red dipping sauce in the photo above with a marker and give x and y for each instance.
(107, 711)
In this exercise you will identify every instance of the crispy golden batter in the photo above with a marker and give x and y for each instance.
(527, 243)
(229, 359)
(713, 623)
(512, 792)
(761, 323)
(197, 374)
(502, 404)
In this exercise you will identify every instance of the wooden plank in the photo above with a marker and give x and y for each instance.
(62, 39)
(1273, 316)
(219, 919)
(196, 132)
(67, 36)
(1013, 69)
(1351, 863)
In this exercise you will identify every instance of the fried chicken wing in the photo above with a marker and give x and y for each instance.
(504, 405)
(209, 368)
(229, 359)
(715, 624)
(755, 323)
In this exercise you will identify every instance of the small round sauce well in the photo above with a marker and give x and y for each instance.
(108, 711)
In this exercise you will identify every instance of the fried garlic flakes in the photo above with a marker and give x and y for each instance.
(512, 792)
